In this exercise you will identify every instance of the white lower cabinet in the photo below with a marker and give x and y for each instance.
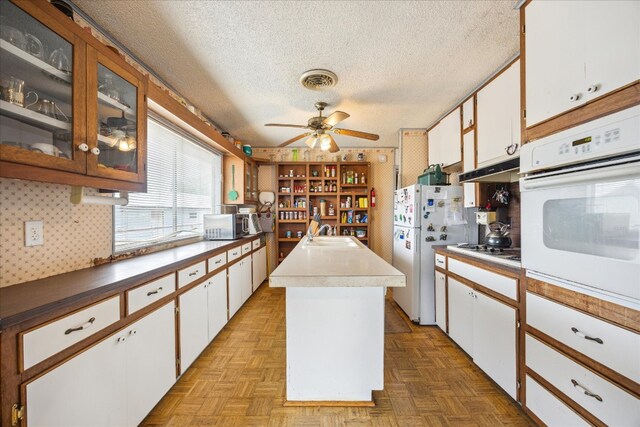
(494, 341)
(441, 301)
(240, 284)
(486, 329)
(114, 383)
(203, 313)
(549, 409)
(259, 265)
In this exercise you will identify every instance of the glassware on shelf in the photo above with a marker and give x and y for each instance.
(58, 59)
(109, 88)
(34, 47)
(13, 36)
(13, 90)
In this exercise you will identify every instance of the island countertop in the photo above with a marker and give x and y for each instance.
(349, 265)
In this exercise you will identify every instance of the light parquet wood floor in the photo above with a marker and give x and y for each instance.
(239, 380)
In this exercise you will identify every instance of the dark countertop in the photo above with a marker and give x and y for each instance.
(24, 301)
(486, 262)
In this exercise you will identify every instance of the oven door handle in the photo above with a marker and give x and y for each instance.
(591, 175)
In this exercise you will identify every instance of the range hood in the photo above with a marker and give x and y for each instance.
(506, 171)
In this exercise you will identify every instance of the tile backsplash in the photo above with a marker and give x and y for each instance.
(73, 234)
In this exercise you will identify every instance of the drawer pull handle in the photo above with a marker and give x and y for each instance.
(80, 328)
(193, 274)
(586, 337)
(154, 292)
(218, 261)
(585, 391)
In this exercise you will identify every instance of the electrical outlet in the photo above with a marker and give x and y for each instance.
(33, 233)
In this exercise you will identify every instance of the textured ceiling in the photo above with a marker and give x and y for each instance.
(400, 64)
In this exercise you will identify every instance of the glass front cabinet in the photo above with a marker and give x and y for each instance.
(71, 111)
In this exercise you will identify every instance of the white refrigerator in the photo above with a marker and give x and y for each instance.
(424, 216)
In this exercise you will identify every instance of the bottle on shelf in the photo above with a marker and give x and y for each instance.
(355, 178)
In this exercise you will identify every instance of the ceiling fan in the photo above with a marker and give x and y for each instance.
(321, 126)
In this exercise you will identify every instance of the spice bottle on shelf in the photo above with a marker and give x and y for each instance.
(355, 178)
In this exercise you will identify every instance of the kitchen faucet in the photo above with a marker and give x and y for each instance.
(310, 233)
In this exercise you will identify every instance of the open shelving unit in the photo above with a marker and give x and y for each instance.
(303, 185)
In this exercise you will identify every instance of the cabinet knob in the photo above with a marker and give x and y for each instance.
(83, 147)
(122, 339)
(133, 332)
(593, 88)
(95, 150)
(574, 98)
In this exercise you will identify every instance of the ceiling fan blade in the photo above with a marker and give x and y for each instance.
(311, 141)
(335, 118)
(357, 134)
(333, 148)
(287, 125)
(292, 140)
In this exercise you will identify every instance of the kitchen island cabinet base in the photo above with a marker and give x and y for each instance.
(335, 345)
(330, 403)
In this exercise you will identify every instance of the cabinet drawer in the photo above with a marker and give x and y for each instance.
(609, 403)
(234, 253)
(255, 244)
(441, 261)
(51, 338)
(551, 410)
(619, 350)
(144, 295)
(191, 273)
(494, 281)
(246, 248)
(217, 261)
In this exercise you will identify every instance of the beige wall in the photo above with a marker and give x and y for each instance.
(382, 179)
(413, 147)
(73, 235)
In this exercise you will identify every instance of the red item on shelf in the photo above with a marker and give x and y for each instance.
(373, 197)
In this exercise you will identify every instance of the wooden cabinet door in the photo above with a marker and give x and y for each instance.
(441, 301)
(236, 277)
(499, 116)
(87, 390)
(461, 322)
(217, 303)
(151, 358)
(612, 45)
(116, 120)
(194, 335)
(42, 108)
(554, 66)
(494, 340)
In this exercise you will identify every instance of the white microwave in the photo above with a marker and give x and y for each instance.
(581, 220)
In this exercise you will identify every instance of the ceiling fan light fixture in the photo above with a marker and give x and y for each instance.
(311, 141)
(325, 142)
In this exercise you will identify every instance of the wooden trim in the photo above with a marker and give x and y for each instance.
(523, 91)
(537, 420)
(157, 94)
(522, 312)
(588, 363)
(618, 315)
(565, 399)
(329, 403)
(625, 97)
(35, 173)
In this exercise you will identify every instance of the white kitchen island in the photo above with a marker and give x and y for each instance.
(335, 288)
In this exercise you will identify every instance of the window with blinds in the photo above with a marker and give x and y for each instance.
(183, 184)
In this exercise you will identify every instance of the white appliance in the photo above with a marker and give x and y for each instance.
(580, 207)
(254, 224)
(423, 216)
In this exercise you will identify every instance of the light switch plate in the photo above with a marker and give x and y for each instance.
(33, 233)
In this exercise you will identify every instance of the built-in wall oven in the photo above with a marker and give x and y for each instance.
(580, 204)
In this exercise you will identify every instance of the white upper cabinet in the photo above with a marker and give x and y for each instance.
(468, 164)
(578, 51)
(498, 115)
(445, 140)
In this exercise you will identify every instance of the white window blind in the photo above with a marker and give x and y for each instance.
(183, 184)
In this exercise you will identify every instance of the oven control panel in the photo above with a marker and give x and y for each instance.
(612, 135)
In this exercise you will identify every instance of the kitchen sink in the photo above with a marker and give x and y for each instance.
(333, 242)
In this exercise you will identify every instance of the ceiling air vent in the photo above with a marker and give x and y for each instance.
(318, 79)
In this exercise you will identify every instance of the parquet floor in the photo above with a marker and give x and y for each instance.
(239, 380)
